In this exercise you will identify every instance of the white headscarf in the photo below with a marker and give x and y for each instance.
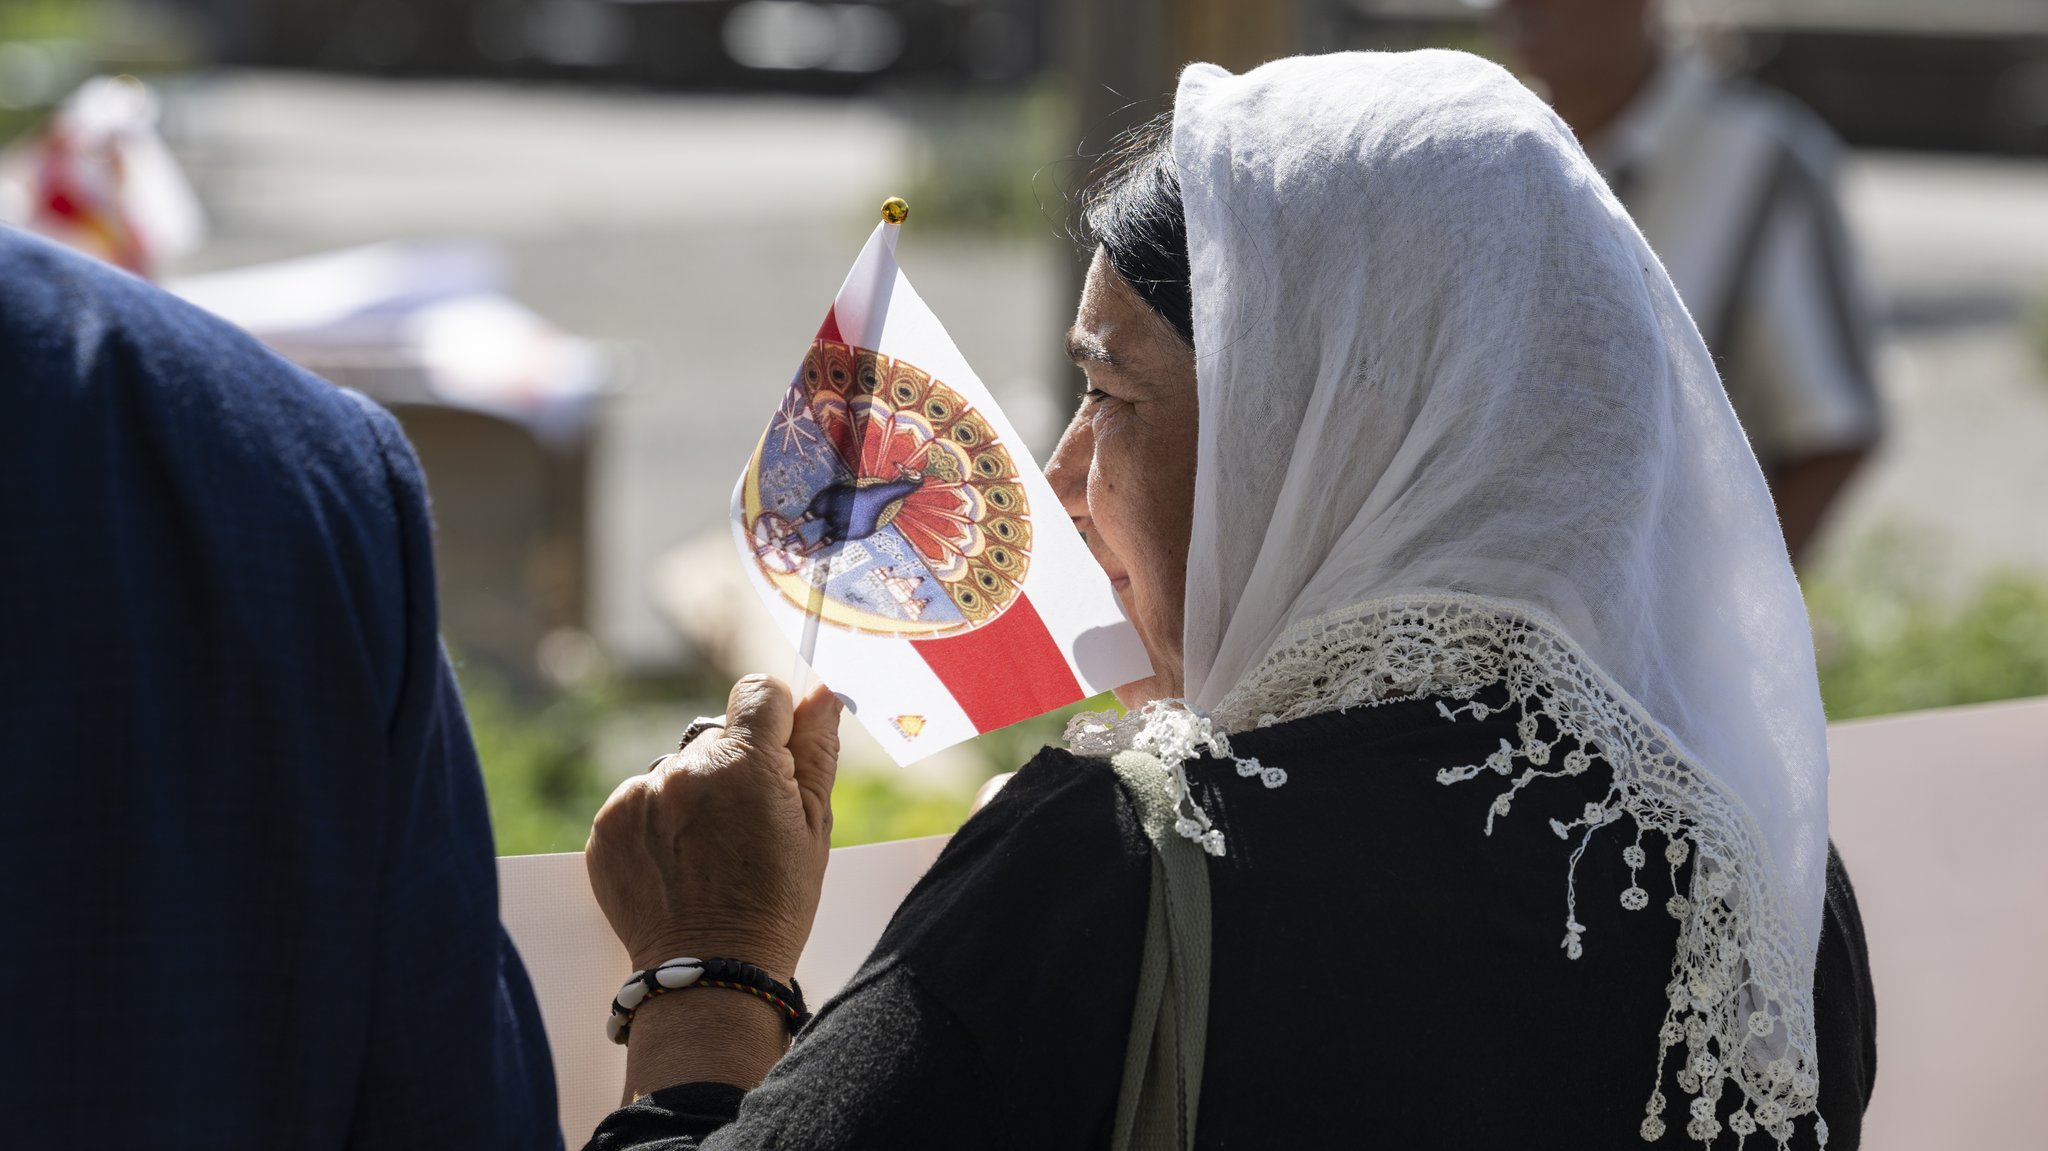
(1457, 431)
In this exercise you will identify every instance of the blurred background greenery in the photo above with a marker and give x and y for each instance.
(1889, 633)
(1892, 635)
(550, 759)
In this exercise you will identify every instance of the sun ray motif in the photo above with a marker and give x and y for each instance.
(790, 423)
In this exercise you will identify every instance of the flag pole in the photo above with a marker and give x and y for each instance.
(895, 210)
(800, 676)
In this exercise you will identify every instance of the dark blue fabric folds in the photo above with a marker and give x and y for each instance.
(247, 896)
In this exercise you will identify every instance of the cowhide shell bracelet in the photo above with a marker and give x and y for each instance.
(685, 972)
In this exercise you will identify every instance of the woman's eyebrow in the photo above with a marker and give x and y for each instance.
(1085, 349)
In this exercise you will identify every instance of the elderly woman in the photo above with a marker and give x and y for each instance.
(1479, 796)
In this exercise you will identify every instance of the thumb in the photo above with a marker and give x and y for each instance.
(757, 713)
(814, 742)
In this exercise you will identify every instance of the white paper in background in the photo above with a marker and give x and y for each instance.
(577, 965)
(883, 595)
(1938, 818)
(416, 321)
(351, 295)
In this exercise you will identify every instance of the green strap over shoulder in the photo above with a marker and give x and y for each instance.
(1162, 1085)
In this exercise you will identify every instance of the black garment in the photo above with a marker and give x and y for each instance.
(1382, 971)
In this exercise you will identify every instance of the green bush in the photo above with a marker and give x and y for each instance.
(1889, 642)
(872, 806)
(539, 762)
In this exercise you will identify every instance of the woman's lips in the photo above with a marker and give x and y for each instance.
(1118, 581)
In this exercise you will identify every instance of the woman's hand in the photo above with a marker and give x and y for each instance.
(720, 849)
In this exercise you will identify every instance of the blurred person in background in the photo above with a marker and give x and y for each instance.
(1734, 187)
(246, 881)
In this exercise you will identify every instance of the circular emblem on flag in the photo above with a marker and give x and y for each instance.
(883, 501)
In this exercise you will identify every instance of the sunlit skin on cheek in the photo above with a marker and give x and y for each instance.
(1125, 469)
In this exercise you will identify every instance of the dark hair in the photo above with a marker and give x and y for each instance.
(1133, 210)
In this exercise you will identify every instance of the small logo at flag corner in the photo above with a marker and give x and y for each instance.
(908, 726)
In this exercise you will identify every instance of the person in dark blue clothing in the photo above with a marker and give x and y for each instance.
(247, 896)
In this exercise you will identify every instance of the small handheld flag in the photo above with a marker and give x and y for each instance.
(906, 542)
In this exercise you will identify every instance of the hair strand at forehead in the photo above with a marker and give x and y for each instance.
(1133, 210)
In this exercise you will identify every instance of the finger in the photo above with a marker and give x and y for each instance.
(814, 742)
(758, 712)
(612, 823)
(988, 790)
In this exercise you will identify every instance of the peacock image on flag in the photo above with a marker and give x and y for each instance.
(906, 542)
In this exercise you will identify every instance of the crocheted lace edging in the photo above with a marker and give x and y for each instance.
(1737, 999)
(1174, 731)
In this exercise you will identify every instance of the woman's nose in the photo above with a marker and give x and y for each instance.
(1067, 470)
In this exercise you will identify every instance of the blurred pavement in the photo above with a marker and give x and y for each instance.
(1957, 250)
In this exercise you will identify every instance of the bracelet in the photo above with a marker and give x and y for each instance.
(731, 974)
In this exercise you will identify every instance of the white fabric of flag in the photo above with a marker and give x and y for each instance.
(906, 542)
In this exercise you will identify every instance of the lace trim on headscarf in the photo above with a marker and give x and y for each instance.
(1175, 731)
(1736, 1004)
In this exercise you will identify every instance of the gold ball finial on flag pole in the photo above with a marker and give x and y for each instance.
(895, 210)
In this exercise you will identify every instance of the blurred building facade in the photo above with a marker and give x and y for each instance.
(1950, 75)
(1933, 75)
(726, 45)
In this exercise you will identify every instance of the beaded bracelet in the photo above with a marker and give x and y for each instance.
(731, 974)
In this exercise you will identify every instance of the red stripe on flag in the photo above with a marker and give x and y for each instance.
(829, 330)
(1005, 670)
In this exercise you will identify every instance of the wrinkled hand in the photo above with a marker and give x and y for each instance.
(720, 849)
